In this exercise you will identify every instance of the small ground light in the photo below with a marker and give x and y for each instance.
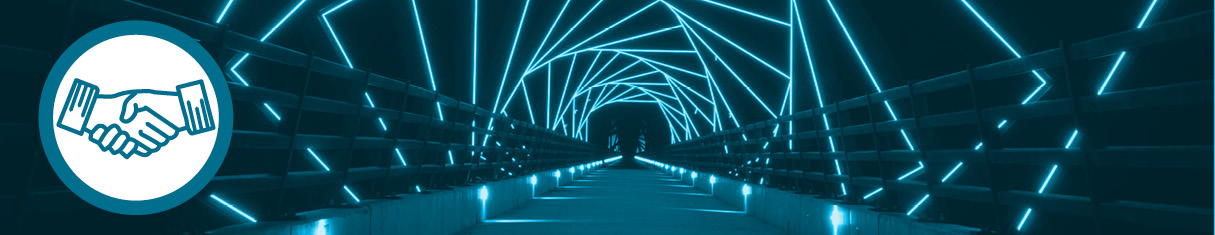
(837, 219)
(483, 194)
(534, 180)
(712, 183)
(693, 179)
(746, 191)
(557, 175)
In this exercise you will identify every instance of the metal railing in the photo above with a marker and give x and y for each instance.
(872, 166)
(270, 169)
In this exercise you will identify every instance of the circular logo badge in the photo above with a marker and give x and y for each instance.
(135, 117)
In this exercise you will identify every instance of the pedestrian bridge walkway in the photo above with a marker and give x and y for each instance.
(626, 198)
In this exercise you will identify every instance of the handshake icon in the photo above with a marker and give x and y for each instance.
(136, 122)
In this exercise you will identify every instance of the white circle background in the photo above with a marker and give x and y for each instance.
(127, 63)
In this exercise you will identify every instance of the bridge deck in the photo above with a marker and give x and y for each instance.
(624, 199)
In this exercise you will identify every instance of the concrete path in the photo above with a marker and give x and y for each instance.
(624, 199)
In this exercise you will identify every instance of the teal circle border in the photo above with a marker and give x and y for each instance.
(46, 122)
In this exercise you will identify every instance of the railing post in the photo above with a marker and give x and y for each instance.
(923, 152)
(990, 142)
(847, 166)
(881, 163)
(278, 211)
(1079, 121)
(396, 141)
(353, 123)
(824, 160)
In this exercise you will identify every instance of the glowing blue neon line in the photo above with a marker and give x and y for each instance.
(736, 77)
(980, 145)
(913, 171)
(237, 64)
(567, 33)
(1070, 140)
(843, 189)
(1024, 217)
(328, 27)
(855, 49)
(549, 33)
(473, 70)
(369, 102)
(263, 39)
(1048, 177)
(233, 208)
(1001, 125)
(740, 48)
(868, 72)
(382, 125)
(650, 50)
(1146, 14)
(271, 32)
(1010, 49)
(872, 193)
(510, 58)
(917, 204)
(992, 29)
(621, 81)
(641, 83)
(1123, 53)
(748, 13)
(725, 102)
(426, 54)
(686, 87)
(528, 100)
(838, 170)
(908, 140)
(565, 88)
(647, 60)
(658, 93)
(891, 110)
(584, 91)
(548, 105)
(276, 116)
(635, 101)
(1036, 90)
(1111, 73)
(685, 94)
(599, 47)
(571, 104)
(400, 156)
(687, 118)
(317, 158)
(955, 169)
(351, 193)
(224, 11)
(605, 30)
(831, 140)
(715, 122)
(284, 19)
